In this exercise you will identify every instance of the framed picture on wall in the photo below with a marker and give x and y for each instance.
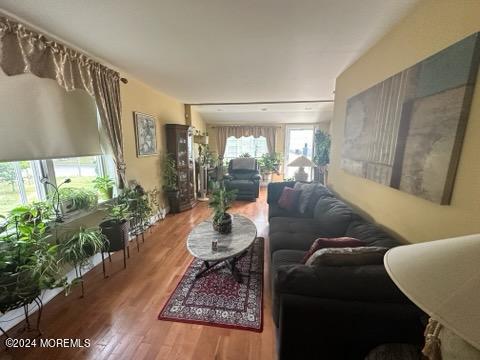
(145, 134)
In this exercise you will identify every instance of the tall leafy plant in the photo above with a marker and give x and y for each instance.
(322, 143)
(170, 177)
(220, 201)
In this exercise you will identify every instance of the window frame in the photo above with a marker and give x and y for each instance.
(45, 169)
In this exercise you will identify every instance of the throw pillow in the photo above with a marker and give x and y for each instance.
(319, 192)
(289, 199)
(322, 243)
(347, 256)
(307, 190)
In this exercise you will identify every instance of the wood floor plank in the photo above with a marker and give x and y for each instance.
(119, 314)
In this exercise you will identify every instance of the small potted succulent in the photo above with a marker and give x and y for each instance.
(104, 185)
(220, 202)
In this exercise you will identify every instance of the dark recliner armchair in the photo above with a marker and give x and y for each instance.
(243, 175)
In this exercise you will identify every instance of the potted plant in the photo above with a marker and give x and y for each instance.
(104, 185)
(29, 261)
(116, 226)
(269, 164)
(138, 207)
(321, 157)
(79, 246)
(72, 199)
(170, 183)
(220, 202)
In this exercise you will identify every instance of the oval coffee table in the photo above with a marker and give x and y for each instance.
(230, 247)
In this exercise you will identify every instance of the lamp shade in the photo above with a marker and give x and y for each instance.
(443, 278)
(301, 161)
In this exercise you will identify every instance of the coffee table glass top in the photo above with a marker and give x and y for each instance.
(199, 241)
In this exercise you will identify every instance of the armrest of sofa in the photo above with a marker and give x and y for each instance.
(275, 190)
(369, 283)
(318, 328)
(256, 177)
(227, 177)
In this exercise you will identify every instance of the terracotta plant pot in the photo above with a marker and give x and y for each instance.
(224, 226)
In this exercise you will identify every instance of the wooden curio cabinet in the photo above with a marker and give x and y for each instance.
(180, 146)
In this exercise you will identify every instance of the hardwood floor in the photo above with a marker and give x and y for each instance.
(119, 314)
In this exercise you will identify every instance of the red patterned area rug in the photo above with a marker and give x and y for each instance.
(216, 299)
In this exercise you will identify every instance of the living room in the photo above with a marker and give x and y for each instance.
(239, 180)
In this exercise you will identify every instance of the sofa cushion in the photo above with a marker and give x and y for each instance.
(307, 190)
(334, 216)
(322, 243)
(289, 199)
(292, 233)
(276, 211)
(371, 234)
(350, 256)
(320, 191)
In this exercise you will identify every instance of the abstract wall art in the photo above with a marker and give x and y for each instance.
(407, 131)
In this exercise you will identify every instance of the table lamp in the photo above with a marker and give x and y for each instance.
(442, 277)
(301, 162)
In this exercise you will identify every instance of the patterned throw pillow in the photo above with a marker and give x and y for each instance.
(358, 256)
(322, 243)
(307, 190)
(289, 199)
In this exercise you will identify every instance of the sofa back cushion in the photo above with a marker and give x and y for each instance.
(371, 234)
(334, 217)
(320, 192)
(289, 199)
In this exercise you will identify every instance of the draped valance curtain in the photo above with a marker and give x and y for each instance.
(25, 51)
(224, 132)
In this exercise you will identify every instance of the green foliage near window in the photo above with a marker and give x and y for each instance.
(170, 177)
(117, 212)
(104, 185)
(321, 145)
(270, 163)
(137, 203)
(221, 200)
(78, 199)
(29, 261)
(245, 155)
(78, 246)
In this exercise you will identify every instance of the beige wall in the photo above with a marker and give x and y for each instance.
(432, 26)
(136, 96)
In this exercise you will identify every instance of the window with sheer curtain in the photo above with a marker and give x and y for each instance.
(236, 147)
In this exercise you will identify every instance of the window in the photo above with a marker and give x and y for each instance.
(298, 141)
(255, 147)
(81, 170)
(20, 180)
(19, 184)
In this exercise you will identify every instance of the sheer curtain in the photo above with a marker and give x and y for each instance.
(224, 132)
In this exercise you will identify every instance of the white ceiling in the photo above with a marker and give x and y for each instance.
(222, 50)
(266, 113)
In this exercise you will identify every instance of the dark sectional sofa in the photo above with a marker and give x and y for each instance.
(332, 312)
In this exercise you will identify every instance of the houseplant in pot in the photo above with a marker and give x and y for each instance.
(72, 199)
(220, 201)
(116, 226)
(321, 156)
(104, 185)
(269, 164)
(170, 183)
(77, 247)
(29, 260)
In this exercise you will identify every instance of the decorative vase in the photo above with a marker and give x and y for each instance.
(224, 225)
